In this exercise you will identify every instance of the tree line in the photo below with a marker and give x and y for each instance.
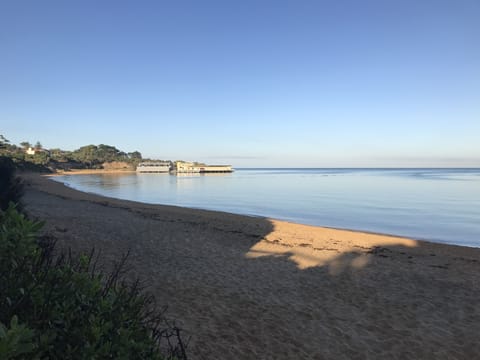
(89, 156)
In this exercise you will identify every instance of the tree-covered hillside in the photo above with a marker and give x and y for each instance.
(89, 156)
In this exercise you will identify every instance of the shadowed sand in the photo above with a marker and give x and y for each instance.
(254, 288)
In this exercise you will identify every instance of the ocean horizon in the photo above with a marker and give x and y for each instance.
(434, 204)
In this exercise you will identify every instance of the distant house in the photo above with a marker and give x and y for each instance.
(33, 151)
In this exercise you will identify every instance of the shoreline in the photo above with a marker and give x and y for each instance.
(354, 230)
(250, 287)
(90, 172)
(100, 197)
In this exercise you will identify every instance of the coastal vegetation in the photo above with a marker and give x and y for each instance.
(36, 157)
(55, 305)
(11, 187)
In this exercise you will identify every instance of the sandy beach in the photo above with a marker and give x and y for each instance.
(255, 288)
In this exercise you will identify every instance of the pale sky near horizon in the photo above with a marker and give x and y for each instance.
(252, 83)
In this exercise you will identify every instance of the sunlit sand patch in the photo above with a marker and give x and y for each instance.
(309, 246)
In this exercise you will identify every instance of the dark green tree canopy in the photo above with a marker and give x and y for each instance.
(93, 154)
(135, 155)
(25, 144)
(3, 140)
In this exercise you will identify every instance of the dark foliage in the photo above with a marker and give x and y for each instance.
(61, 307)
(11, 187)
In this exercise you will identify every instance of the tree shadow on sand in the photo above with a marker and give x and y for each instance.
(354, 295)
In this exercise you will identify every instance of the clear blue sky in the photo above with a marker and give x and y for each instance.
(251, 83)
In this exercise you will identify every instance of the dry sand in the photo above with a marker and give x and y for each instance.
(256, 288)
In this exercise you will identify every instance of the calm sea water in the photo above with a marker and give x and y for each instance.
(441, 205)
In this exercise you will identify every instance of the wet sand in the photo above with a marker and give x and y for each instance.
(256, 288)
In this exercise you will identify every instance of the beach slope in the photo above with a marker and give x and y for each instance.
(255, 288)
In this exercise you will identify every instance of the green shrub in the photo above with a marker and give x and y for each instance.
(16, 341)
(59, 307)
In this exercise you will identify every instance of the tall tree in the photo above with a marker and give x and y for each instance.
(86, 154)
(3, 141)
(38, 145)
(135, 155)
